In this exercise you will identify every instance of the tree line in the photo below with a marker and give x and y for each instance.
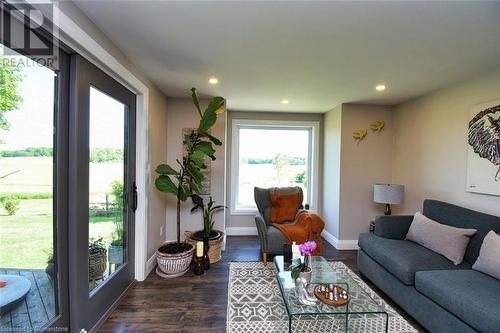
(278, 159)
(97, 155)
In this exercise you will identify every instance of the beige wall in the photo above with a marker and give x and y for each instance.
(331, 170)
(351, 169)
(182, 114)
(362, 165)
(157, 123)
(430, 145)
(248, 221)
(157, 155)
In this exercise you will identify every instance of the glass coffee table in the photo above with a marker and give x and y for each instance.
(360, 306)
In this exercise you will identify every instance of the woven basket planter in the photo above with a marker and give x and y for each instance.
(174, 264)
(97, 265)
(215, 246)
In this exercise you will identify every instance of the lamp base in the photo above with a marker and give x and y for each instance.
(387, 209)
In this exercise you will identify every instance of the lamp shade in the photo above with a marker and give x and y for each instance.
(392, 194)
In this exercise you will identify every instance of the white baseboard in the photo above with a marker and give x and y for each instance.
(330, 238)
(340, 244)
(150, 264)
(241, 231)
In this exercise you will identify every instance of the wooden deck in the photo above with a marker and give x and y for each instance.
(37, 308)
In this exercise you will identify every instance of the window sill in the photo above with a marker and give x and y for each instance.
(244, 212)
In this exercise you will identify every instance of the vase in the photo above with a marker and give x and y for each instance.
(306, 276)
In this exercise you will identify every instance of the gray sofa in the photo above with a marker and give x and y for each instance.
(442, 297)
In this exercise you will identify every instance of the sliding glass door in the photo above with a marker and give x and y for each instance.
(67, 185)
(33, 187)
(102, 192)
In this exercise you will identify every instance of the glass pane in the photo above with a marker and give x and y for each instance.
(26, 194)
(107, 218)
(272, 157)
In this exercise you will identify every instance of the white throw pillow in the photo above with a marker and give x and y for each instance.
(448, 241)
(488, 261)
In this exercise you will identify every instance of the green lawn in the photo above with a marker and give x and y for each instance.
(26, 237)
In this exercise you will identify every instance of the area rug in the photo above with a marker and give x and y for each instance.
(255, 305)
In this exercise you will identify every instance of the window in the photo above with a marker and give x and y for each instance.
(271, 153)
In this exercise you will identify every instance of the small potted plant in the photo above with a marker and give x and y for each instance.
(97, 258)
(50, 269)
(115, 249)
(303, 268)
(208, 234)
(174, 258)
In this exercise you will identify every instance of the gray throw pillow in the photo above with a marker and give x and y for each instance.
(448, 241)
(488, 261)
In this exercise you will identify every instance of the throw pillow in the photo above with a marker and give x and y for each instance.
(488, 261)
(448, 241)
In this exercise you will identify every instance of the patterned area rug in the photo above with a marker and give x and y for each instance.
(255, 305)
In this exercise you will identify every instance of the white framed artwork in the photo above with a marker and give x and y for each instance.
(483, 149)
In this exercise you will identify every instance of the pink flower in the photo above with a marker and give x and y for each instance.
(307, 248)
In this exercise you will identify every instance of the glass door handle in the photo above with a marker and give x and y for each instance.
(134, 197)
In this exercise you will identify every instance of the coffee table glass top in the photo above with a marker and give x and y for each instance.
(360, 301)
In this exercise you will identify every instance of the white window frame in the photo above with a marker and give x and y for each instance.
(313, 158)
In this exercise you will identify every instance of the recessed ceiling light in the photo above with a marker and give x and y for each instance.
(380, 87)
(284, 101)
(213, 80)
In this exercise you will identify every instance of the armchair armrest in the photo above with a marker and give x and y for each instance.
(392, 226)
(262, 230)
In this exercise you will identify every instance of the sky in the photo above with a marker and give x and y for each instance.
(31, 125)
(267, 143)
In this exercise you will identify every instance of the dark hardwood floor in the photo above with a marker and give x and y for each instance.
(199, 303)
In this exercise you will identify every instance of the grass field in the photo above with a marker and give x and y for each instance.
(34, 175)
(265, 175)
(26, 237)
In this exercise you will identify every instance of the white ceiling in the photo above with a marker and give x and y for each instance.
(315, 54)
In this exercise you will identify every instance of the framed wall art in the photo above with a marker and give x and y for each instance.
(483, 157)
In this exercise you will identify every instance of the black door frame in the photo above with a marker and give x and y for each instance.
(87, 310)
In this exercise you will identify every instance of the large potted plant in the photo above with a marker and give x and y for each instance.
(208, 234)
(174, 257)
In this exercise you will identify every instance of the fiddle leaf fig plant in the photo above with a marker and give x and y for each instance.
(185, 180)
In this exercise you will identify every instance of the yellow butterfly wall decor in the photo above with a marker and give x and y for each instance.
(359, 134)
(377, 126)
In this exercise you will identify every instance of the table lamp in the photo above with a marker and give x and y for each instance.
(388, 194)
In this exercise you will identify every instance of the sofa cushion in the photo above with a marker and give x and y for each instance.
(460, 217)
(489, 257)
(446, 240)
(404, 258)
(472, 296)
